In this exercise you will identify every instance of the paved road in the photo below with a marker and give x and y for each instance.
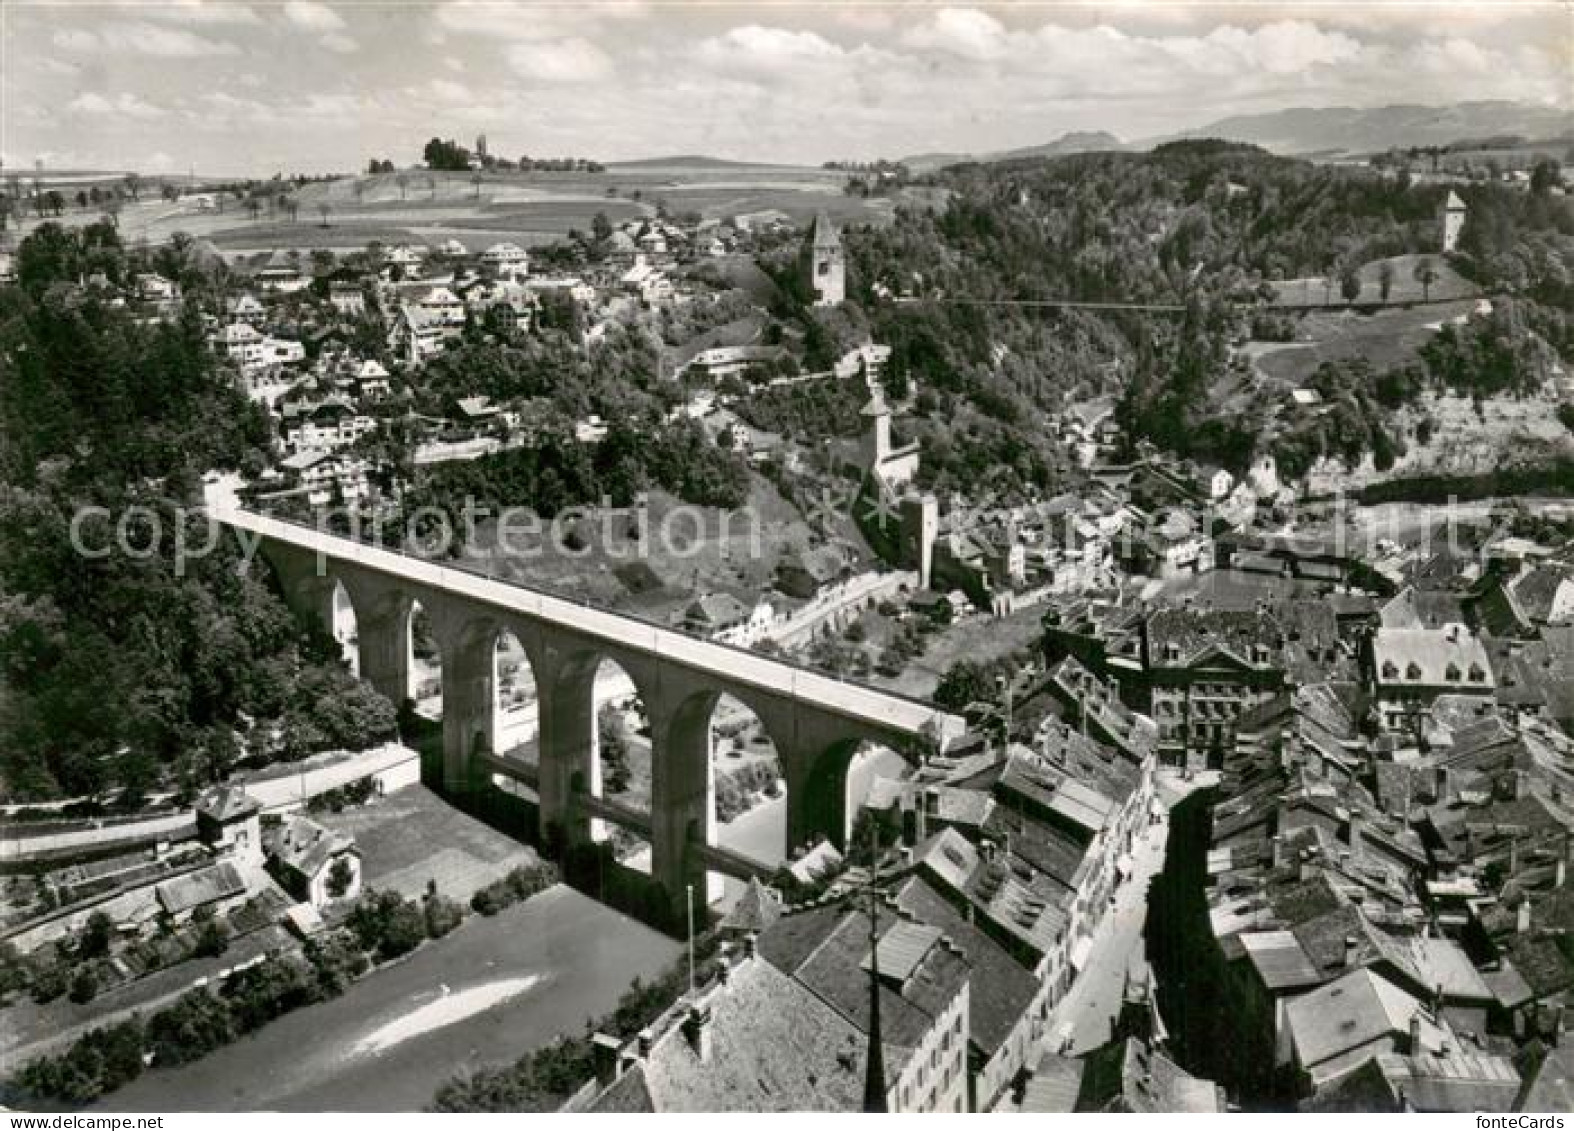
(336, 1057)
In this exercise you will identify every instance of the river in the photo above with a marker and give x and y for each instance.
(488, 993)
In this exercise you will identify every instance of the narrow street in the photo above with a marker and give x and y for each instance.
(1091, 1006)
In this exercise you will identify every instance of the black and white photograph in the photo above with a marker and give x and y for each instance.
(612, 557)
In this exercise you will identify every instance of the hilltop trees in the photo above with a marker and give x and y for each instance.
(447, 156)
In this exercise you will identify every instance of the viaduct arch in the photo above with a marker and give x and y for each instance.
(815, 722)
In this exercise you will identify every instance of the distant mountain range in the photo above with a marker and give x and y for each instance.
(1351, 130)
(1080, 141)
(1324, 131)
(686, 161)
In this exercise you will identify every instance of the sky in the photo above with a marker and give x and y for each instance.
(254, 88)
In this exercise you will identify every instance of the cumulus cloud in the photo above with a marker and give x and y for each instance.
(123, 105)
(560, 61)
(141, 38)
(313, 16)
(202, 12)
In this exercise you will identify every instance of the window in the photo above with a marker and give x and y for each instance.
(1412, 670)
(1451, 673)
(1476, 674)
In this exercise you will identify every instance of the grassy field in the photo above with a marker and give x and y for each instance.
(1448, 286)
(1387, 338)
(412, 836)
(978, 637)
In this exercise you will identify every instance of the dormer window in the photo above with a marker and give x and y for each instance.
(1172, 651)
(1412, 670)
(1477, 675)
(1452, 673)
(1390, 670)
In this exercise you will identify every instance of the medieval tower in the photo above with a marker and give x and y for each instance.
(1453, 221)
(826, 264)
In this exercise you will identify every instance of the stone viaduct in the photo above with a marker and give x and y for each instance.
(815, 722)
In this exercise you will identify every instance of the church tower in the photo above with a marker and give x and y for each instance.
(827, 267)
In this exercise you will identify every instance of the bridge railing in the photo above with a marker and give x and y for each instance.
(665, 640)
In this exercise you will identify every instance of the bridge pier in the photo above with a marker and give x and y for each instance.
(382, 625)
(307, 585)
(566, 741)
(469, 710)
(682, 802)
(816, 774)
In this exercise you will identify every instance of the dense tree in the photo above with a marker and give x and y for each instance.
(132, 668)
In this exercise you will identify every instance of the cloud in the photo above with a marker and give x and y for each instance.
(207, 12)
(446, 90)
(141, 38)
(339, 43)
(313, 16)
(563, 62)
(965, 32)
(123, 105)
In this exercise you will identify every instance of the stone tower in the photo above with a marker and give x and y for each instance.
(877, 431)
(1453, 221)
(826, 264)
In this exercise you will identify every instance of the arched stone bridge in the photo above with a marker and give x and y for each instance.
(815, 722)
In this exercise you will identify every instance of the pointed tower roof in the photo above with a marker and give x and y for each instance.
(757, 908)
(825, 234)
(1453, 203)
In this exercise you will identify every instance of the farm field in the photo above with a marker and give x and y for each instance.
(533, 208)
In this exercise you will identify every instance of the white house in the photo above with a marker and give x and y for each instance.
(152, 287)
(246, 308)
(328, 424)
(509, 260)
(321, 472)
(241, 343)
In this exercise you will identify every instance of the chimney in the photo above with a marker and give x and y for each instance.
(1351, 943)
(1415, 1032)
(646, 1039)
(1559, 872)
(604, 1055)
(988, 847)
(1522, 916)
(696, 1027)
(748, 944)
(1355, 831)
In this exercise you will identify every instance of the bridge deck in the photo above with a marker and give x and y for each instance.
(725, 663)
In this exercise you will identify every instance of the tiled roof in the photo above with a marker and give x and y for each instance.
(227, 803)
(773, 1046)
(1000, 988)
(194, 889)
(306, 847)
(1458, 1081)
(1279, 960)
(1349, 1013)
(757, 908)
(1445, 657)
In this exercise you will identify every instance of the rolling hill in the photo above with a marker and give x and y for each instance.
(1353, 130)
